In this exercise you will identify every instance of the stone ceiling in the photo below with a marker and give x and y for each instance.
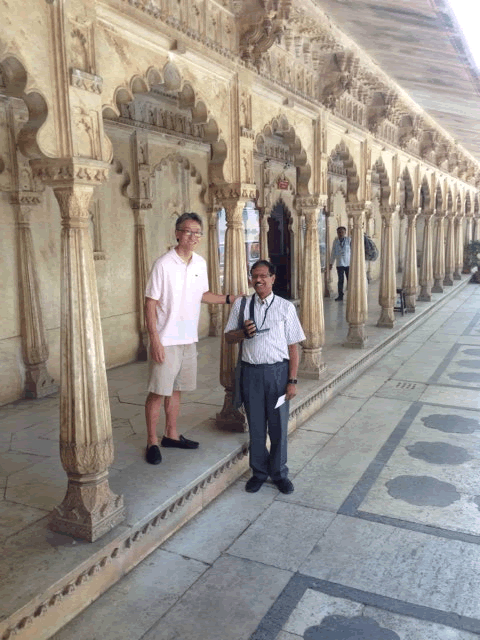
(419, 45)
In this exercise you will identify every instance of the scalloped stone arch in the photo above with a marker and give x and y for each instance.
(476, 204)
(187, 164)
(188, 98)
(438, 203)
(380, 169)
(14, 79)
(424, 194)
(406, 198)
(467, 207)
(342, 153)
(449, 200)
(280, 126)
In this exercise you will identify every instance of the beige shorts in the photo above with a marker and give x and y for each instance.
(178, 372)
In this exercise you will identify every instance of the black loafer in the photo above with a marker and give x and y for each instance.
(284, 485)
(181, 443)
(253, 485)
(153, 455)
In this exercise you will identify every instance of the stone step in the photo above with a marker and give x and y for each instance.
(47, 578)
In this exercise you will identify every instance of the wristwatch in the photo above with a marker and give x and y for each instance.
(292, 381)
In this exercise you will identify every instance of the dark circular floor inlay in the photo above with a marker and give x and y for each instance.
(343, 628)
(422, 491)
(438, 453)
(464, 376)
(451, 423)
(469, 364)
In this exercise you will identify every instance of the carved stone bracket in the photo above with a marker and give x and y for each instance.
(86, 81)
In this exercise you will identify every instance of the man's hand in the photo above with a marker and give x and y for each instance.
(239, 295)
(250, 328)
(291, 391)
(157, 352)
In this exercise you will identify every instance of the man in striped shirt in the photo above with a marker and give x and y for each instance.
(341, 253)
(270, 334)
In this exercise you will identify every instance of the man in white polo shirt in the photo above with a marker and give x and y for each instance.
(177, 285)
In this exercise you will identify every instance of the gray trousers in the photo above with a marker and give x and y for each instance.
(261, 387)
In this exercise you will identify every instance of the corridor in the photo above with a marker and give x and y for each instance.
(379, 540)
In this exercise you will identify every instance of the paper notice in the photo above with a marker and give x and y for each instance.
(280, 401)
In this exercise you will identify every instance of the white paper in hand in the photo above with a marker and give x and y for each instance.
(280, 401)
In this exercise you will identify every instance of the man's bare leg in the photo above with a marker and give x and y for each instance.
(172, 409)
(153, 406)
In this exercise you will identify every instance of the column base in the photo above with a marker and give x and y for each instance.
(448, 281)
(457, 275)
(356, 337)
(425, 294)
(438, 286)
(230, 419)
(89, 510)
(410, 300)
(38, 382)
(311, 365)
(387, 318)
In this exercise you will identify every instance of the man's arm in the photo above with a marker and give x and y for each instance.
(156, 347)
(294, 358)
(219, 298)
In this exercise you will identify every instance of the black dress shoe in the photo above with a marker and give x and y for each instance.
(153, 455)
(181, 443)
(339, 299)
(284, 485)
(253, 485)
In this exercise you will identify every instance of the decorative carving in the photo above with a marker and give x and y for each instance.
(86, 81)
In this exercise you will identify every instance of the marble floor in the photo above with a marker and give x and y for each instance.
(380, 540)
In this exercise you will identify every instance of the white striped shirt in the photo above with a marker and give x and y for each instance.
(273, 313)
(341, 252)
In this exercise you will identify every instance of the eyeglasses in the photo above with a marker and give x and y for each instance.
(197, 234)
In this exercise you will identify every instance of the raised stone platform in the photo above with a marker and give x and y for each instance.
(47, 578)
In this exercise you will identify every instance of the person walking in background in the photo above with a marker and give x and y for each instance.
(341, 250)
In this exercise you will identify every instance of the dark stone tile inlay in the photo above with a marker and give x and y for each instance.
(469, 364)
(472, 352)
(422, 491)
(343, 628)
(464, 376)
(438, 453)
(451, 423)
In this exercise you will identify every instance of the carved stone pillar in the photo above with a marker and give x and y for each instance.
(214, 273)
(357, 307)
(235, 282)
(410, 279)
(328, 248)
(311, 301)
(388, 287)
(264, 216)
(89, 508)
(426, 269)
(139, 206)
(450, 251)
(439, 254)
(38, 382)
(469, 230)
(458, 239)
(476, 229)
(402, 237)
(300, 270)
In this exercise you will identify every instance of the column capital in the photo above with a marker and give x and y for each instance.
(26, 198)
(387, 213)
(315, 201)
(140, 203)
(233, 193)
(66, 172)
(355, 209)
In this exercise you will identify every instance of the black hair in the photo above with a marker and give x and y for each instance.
(263, 263)
(187, 216)
(344, 228)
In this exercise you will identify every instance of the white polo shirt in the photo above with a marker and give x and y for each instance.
(178, 288)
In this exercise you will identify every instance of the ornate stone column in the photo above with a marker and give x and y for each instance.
(311, 301)
(89, 508)
(439, 254)
(38, 382)
(469, 230)
(450, 251)
(410, 279)
(139, 206)
(388, 286)
(458, 239)
(328, 249)
(401, 241)
(300, 261)
(233, 199)
(264, 216)
(426, 269)
(357, 307)
(214, 272)
(476, 229)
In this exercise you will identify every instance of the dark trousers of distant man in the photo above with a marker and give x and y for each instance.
(341, 272)
(261, 386)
